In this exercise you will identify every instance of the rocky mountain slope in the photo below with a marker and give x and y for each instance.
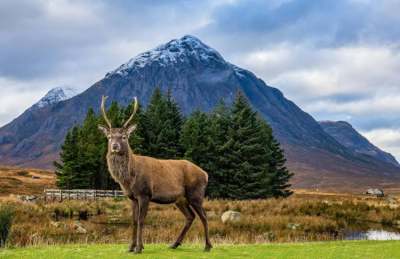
(346, 135)
(53, 96)
(198, 77)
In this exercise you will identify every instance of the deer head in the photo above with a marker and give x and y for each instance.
(118, 138)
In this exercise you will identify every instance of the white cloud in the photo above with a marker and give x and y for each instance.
(73, 12)
(387, 139)
(299, 69)
(16, 97)
(372, 106)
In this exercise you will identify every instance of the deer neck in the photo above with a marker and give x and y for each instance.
(121, 168)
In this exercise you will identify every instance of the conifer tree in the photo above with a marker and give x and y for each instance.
(65, 170)
(116, 115)
(173, 128)
(92, 173)
(220, 120)
(152, 123)
(281, 176)
(244, 163)
(162, 122)
(197, 141)
(196, 138)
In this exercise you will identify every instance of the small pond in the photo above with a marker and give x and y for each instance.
(373, 235)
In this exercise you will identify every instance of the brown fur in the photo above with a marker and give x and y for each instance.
(145, 179)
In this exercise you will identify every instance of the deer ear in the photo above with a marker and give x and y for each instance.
(131, 129)
(103, 129)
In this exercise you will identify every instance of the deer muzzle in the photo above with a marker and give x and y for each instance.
(115, 147)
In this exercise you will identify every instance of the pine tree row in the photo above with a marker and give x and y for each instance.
(232, 144)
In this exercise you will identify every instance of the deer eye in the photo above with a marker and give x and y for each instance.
(124, 137)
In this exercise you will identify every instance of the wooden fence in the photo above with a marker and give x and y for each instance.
(80, 194)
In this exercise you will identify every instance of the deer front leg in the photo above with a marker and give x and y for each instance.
(134, 225)
(143, 203)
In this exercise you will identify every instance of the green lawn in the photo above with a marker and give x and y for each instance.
(339, 249)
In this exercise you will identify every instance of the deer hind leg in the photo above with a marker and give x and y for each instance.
(189, 215)
(143, 203)
(134, 225)
(198, 207)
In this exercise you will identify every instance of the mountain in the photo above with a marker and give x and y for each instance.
(28, 136)
(53, 96)
(346, 135)
(198, 77)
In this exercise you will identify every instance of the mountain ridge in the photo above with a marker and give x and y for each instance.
(198, 78)
(53, 96)
(349, 137)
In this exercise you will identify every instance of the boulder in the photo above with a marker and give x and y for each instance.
(27, 198)
(269, 236)
(293, 226)
(397, 223)
(55, 224)
(79, 228)
(230, 216)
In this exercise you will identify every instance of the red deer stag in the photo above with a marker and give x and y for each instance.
(145, 179)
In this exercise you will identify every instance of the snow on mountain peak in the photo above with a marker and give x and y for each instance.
(55, 95)
(175, 51)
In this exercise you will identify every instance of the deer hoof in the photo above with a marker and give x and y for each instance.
(138, 250)
(174, 245)
(132, 248)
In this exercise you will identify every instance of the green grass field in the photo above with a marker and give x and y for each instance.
(338, 249)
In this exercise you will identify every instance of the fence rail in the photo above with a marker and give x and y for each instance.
(80, 194)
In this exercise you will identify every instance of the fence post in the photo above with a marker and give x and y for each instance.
(80, 194)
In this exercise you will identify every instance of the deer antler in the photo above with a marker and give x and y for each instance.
(135, 107)
(103, 110)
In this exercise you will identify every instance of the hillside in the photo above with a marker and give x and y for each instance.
(198, 77)
(25, 181)
(346, 135)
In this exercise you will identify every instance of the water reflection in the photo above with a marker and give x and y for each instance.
(373, 235)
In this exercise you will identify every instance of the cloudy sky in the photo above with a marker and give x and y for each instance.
(338, 60)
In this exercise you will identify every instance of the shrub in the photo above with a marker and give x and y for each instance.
(6, 218)
(83, 215)
(23, 173)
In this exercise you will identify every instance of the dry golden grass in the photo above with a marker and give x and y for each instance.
(22, 181)
(302, 217)
(307, 215)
